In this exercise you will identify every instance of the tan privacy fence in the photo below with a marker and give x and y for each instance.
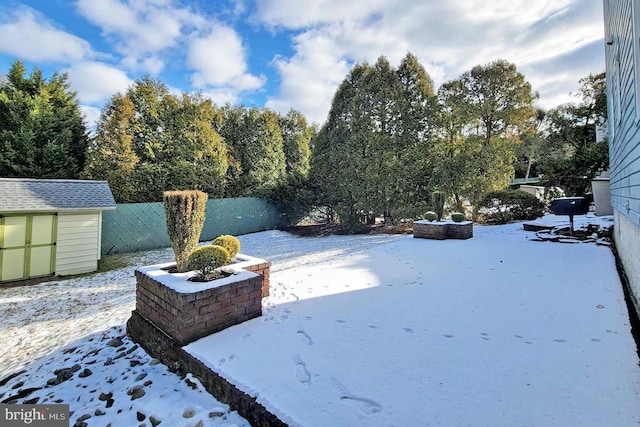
(140, 226)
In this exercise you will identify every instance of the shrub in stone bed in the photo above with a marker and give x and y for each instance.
(230, 243)
(504, 206)
(458, 217)
(206, 259)
(430, 216)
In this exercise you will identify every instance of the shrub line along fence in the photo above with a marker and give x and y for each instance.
(141, 226)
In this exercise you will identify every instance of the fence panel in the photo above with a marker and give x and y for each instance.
(141, 226)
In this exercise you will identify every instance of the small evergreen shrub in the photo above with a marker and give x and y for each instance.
(184, 212)
(438, 199)
(230, 243)
(206, 259)
(458, 217)
(502, 207)
(430, 216)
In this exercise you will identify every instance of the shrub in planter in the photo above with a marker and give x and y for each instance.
(458, 217)
(184, 211)
(206, 259)
(438, 198)
(501, 207)
(230, 243)
(430, 216)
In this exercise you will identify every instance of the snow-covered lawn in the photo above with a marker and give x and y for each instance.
(360, 330)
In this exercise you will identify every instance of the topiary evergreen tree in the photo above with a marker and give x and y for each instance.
(438, 203)
(184, 211)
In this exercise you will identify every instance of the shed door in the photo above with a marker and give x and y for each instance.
(27, 246)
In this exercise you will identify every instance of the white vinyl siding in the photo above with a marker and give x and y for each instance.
(78, 246)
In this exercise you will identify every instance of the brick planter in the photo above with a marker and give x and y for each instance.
(256, 265)
(442, 230)
(187, 311)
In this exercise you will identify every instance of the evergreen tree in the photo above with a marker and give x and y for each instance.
(373, 153)
(42, 133)
(150, 141)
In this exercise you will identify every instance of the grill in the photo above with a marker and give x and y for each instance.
(570, 206)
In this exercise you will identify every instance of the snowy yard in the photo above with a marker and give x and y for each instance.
(359, 330)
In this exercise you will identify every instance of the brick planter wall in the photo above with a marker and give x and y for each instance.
(262, 269)
(186, 317)
(161, 346)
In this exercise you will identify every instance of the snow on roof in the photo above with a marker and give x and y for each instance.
(26, 194)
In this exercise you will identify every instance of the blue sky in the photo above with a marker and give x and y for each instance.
(294, 53)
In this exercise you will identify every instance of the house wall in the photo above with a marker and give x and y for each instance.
(78, 245)
(622, 34)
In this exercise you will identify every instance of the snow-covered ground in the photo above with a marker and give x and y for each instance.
(359, 330)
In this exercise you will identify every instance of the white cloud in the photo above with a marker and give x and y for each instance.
(221, 97)
(95, 82)
(448, 37)
(91, 116)
(140, 29)
(311, 76)
(219, 59)
(25, 33)
(294, 14)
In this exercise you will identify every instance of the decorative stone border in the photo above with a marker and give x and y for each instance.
(442, 230)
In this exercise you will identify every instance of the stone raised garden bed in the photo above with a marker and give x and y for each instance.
(441, 230)
(187, 311)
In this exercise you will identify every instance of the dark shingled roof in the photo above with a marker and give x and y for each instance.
(23, 194)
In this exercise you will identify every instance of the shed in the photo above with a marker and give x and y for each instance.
(50, 226)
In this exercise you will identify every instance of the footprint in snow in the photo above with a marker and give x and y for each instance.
(560, 340)
(596, 339)
(448, 336)
(304, 337)
(302, 374)
(408, 330)
(365, 406)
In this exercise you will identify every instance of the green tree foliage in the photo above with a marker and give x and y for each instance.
(149, 141)
(296, 140)
(573, 157)
(42, 134)
(365, 157)
(484, 111)
(256, 144)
